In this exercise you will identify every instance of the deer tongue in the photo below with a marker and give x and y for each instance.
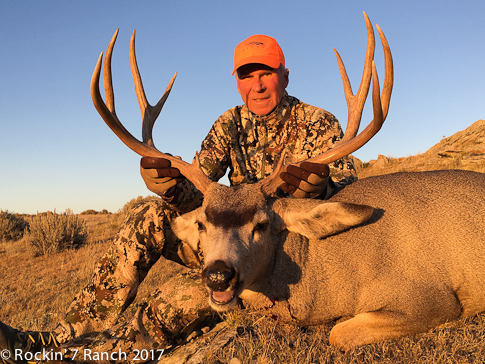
(223, 296)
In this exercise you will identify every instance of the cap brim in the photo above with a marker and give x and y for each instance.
(267, 61)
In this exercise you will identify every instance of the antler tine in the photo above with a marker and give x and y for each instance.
(350, 143)
(272, 182)
(355, 103)
(109, 116)
(149, 113)
(108, 79)
(107, 112)
(380, 105)
(389, 73)
(346, 147)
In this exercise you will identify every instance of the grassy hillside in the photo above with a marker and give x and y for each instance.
(463, 150)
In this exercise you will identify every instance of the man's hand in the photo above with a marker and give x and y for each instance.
(309, 180)
(159, 175)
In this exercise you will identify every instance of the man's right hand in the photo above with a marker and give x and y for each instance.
(159, 175)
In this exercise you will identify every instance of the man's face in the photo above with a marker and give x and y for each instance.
(261, 87)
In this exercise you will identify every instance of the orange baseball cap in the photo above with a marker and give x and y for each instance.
(258, 49)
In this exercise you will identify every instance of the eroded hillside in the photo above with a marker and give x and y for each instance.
(463, 150)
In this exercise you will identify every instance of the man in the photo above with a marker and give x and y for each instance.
(248, 140)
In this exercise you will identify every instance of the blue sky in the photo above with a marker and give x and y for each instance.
(57, 153)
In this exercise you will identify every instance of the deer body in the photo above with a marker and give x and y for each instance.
(412, 260)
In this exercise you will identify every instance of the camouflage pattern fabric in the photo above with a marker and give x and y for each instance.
(250, 145)
(167, 318)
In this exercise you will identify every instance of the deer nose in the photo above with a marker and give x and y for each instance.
(218, 276)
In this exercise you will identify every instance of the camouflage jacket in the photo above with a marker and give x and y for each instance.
(250, 146)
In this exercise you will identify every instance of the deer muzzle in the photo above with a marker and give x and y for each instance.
(222, 282)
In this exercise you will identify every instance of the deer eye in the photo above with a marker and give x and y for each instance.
(260, 227)
(200, 226)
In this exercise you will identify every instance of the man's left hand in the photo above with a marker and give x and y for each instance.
(309, 180)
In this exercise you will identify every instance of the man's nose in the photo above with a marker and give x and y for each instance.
(257, 86)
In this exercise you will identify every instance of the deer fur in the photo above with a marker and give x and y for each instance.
(393, 255)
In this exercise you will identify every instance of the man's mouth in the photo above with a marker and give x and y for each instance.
(260, 99)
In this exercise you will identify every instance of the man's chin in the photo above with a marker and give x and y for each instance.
(261, 108)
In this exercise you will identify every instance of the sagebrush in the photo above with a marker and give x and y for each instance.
(12, 226)
(49, 232)
(94, 212)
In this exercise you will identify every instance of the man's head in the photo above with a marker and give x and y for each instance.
(261, 75)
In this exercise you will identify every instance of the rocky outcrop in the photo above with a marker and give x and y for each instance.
(463, 150)
(468, 145)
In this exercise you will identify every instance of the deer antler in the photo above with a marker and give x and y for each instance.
(149, 114)
(355, 104)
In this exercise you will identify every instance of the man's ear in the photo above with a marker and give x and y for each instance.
(186, 229)
(287, 77)
(317, 219)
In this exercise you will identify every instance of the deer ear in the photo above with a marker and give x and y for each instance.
(186, 229)
(316, 219)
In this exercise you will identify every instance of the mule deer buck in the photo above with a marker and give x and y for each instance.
(387, 256)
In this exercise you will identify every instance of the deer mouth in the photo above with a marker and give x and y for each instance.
(226, 298)
(222, 298)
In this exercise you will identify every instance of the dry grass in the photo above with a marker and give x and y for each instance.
(36, 291)
(101, 227)
(463, 150)
(419, 163)
(265, 341)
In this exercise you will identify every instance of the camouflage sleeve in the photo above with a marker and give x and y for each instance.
(214, 153)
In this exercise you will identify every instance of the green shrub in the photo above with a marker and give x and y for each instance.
(50, 232)
(12, 226)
